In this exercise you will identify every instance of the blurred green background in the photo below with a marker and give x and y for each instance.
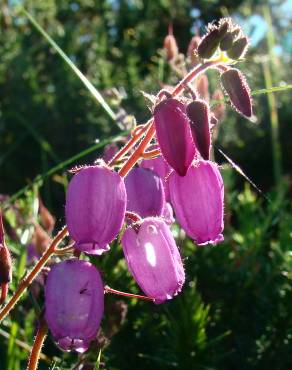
(235, 311)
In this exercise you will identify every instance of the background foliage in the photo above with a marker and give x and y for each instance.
(235, 310)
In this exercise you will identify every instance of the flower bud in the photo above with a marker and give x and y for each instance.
(193, 50)
(95, 208)
(161, 168)
(170, 45)
(74, 301)
(199, 115)
(202, 87)
(153, 259)
(197, 199)
(238, 49)
(47, 219)
(5, 264)
(145, 193)
(209, 44)
(236, 87)
(227, 41)
(174, 135)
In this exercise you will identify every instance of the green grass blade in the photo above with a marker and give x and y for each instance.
(78, 73)
(97, 364)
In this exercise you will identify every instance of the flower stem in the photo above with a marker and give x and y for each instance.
(37, 346)
(138, 153)
(107, 289)
(33, 273)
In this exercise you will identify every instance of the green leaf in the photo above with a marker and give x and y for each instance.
(94, 92)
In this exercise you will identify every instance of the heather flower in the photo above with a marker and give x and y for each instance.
(153, 259)
(95, 208)
(173, 134)
(145, 193)
(161, 168)
(197, 199)
(74, 301)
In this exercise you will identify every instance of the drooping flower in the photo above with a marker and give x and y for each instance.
(173, 134)
(197, 199)
(162, 169)
(145, 193)
(74, 302)
(95, 208)
(153, 259)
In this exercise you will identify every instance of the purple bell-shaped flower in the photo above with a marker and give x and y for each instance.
(197, 199)
(95, 208)
(153, 259)
(174, 134)
(162, 169)
(74, 302)
(145, 193)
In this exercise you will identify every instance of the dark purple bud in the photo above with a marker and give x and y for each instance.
(223, 28)
(236, 87)
(95, 208)
(153, 259)
(209, 44)
(197, 199)
(74, 301)
(174, 135)
(238, 49)
(199, 115)
(145, 192)
(161, 168)
(227, 41)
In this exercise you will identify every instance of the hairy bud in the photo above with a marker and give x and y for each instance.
(236, 87)
(199, 115)
(170, 45)
(209, 44)
(238, 49)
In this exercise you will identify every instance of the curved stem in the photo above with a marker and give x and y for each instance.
(37, 346)
(194, 73)
(137, 135)
(107, 289)
(33, 273)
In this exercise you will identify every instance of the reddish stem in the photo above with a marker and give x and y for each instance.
(33, 273)
(107, 289)
(133, 159)
(4, 291)
(37, 346)
(151, 154)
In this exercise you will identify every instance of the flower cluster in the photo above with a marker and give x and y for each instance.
(167, 176)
